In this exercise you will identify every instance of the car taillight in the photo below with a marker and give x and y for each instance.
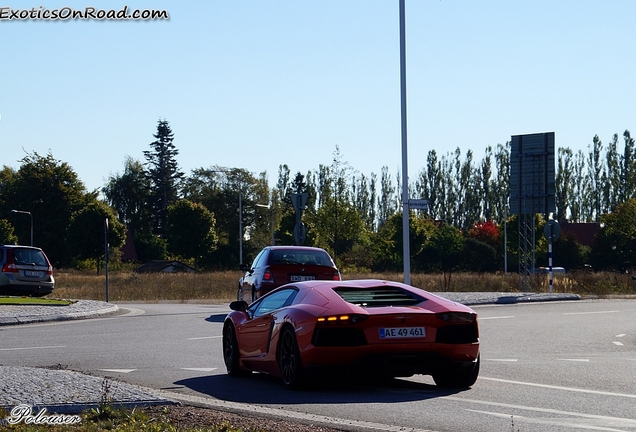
(9, 266)
(267, 276)
(336, 276)
(341, 319)
(49, 271)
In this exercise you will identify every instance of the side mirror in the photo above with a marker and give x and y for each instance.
(238, 305)
(244, 267)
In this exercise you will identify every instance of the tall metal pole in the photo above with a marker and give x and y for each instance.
(405, 175)
(31, 216)
(106, 255)
(240, 227)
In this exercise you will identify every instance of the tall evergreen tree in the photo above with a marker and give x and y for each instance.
(128, 194)
(563, 183)
(595, 175)
(611, 185)
(386, 200)
(164, 175)
(627, 189)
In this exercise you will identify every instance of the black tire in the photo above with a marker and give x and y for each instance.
(463, 376)
(253, 294)
(231, 352)
(289, 361)
(239, 294)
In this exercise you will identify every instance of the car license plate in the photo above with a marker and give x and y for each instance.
(402, 332)
(294, 278)
(31, 273)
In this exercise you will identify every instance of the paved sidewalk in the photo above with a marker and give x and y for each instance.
(65, 392)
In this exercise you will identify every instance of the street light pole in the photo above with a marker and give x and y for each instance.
(31, 216)
(271, 222)
(406, 248)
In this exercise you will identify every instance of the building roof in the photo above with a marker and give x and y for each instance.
(585, 233)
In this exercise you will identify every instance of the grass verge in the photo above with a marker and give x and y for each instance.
(37, 301)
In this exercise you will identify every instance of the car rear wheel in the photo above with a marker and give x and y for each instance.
(289, 362)
(463, 376)
(253, 294)
(231, 352)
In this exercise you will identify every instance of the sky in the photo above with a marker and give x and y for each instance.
(255, 84)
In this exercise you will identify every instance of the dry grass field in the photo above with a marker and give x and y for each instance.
(221, 286)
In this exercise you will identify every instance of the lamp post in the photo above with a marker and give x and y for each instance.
(29, 213)
(271, 211)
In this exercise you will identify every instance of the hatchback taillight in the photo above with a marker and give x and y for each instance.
(336, 276)
(267, 276)
(9, 266)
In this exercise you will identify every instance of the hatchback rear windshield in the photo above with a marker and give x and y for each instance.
(380, 296)
(283, 256)
(29, 257)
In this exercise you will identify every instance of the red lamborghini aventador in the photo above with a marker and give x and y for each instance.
(373, 327)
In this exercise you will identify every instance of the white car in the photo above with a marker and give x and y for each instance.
(25, 270)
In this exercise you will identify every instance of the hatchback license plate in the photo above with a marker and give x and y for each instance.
(31, 273)
(302, 278)
(402, 332)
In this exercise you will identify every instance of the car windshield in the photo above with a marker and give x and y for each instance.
(379, 296)
(300, 257)
(29, 257)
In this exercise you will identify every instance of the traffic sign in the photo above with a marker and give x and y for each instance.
(418, 204)
(552, 230)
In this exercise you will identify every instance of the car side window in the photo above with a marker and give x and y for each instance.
(273, 302)
(261, 259)
(258, 258)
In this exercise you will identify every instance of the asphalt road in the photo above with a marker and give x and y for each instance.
(558, 366)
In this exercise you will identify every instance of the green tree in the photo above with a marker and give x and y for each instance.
(129, 194)
(86, 232)
(616, 241)
(51, 191)
(191, 231)
(338, 226)
(501, 182)
(164, 175)
(563, 183)
(231, 194)
(596, 173)
(7, 235)
(388, 244)
(442, 251)
(627, 189)
(387, 199)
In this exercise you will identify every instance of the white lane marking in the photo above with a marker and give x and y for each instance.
(200, 369)
(576, 360)
(618, 343)
(591, 313)
(118, 370)
(204, 337)
(496, 317)
(284, 413)
(577, 423)
(620, 335)
(32, 348)
(553, 387)
(503, 360)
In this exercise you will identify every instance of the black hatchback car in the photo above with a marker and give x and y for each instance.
(25, 270)
(278, 265)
